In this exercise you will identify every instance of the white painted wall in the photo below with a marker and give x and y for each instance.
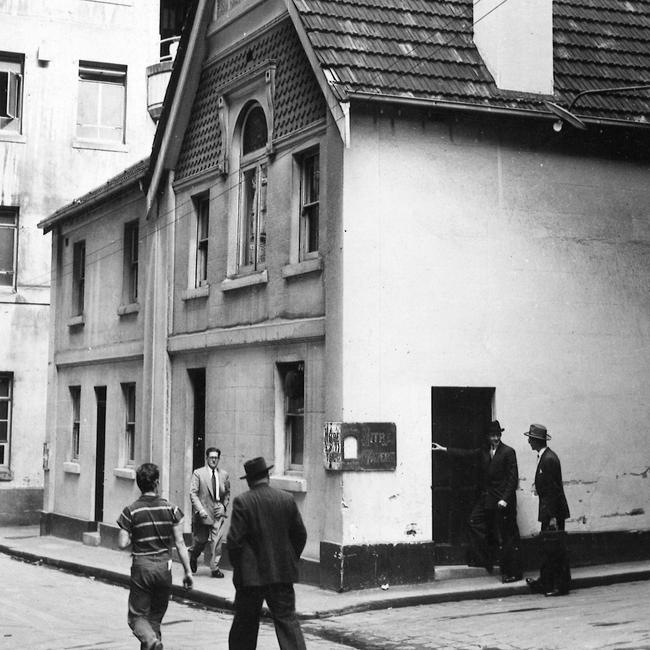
(467, 262)
(43, 169)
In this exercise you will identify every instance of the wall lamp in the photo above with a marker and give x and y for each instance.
(565, 114)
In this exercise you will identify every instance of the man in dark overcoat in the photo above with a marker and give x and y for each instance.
(493, 520)
(265, 540)
(555, 574)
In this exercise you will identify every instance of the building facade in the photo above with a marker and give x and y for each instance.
(359, 244)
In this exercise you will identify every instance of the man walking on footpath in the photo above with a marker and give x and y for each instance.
(555, 574)
(151, 525)
(210, 496)
(493, 520)
(265, 541)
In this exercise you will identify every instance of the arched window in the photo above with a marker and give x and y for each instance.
(253, 179)
(255, 133)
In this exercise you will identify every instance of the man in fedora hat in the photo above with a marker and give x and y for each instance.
(493, 520)
(555, 575)
(265, 541)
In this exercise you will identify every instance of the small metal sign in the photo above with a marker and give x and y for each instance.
(360, 446)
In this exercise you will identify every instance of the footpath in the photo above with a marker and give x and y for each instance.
(97, 562)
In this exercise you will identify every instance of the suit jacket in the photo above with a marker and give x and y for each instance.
(548, 484)
(203, 501)
(499, 474)
(266, 537)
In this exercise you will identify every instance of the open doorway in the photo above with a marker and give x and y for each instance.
(197, 382)
(100, 451)
(459, 417)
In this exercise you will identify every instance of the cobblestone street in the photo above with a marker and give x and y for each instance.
(613, 617)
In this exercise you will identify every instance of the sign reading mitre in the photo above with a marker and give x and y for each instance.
(360, 446)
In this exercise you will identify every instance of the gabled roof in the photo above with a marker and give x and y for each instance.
(423, 49)
(119, 183)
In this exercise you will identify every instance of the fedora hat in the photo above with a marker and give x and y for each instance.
(494, 427)
(537, 431)
(256, 467)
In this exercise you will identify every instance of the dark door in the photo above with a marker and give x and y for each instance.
(197, 381)
(100, 448)
(459, 417)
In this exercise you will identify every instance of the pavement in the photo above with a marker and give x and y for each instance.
(97, 562)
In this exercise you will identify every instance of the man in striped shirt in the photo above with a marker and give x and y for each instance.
(151, 525)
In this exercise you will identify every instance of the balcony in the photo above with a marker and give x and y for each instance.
(158, 76)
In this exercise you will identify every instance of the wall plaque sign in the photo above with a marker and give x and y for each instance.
(360, 446)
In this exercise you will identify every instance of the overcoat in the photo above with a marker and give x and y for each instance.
(549, 487)
(266, 537)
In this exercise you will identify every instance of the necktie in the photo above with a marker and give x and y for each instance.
(214, 485)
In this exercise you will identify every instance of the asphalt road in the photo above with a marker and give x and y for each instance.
(46, 609)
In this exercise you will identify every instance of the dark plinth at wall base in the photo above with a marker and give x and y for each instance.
(20, 506)
(343, 568)
(66, 527)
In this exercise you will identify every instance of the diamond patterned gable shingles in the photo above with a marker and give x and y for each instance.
(298, 98)
(424, 48)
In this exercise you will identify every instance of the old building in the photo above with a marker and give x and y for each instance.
(365, 232)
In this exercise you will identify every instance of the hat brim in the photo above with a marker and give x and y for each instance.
(264, 471)
(528, 434)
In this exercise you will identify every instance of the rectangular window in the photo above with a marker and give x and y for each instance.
(6, 396)
(75, 398)
(8, 246)
(11, 92)
(309, 204)
(252, 231)
(202, 207)
(131, 245)
(128, 391)
(78, 277)
(292, 376)
(101, 103)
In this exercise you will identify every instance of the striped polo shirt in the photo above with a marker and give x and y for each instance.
(150, 521)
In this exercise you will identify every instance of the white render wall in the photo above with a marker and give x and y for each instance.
(472, 263)
(42, 170)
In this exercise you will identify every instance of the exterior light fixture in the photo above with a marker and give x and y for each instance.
(566, 115)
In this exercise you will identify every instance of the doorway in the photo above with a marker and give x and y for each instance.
(100, 449)
(459, 417)
(197, 382)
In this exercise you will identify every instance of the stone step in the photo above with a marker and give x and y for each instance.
(91, 539)
(457, 571)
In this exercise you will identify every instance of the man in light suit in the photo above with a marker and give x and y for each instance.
(265, 541)
(555, 574)
(210, 496)
(493, 520)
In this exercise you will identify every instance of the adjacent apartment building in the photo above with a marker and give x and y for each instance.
(362, 230)
(73, 111)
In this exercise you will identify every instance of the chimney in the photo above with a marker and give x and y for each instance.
(515, 40)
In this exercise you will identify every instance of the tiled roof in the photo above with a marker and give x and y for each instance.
(298, 98)
(111, 187)
(424, 49)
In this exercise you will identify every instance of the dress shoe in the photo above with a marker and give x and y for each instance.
(193, 564)
(506, 579)
(534, 585)
(217, 573)
(556, 592)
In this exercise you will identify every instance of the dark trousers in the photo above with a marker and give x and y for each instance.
(494, 531)
(281, 600)
(554, 572)
(151, 583)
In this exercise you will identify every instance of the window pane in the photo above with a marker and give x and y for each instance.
(248, 225)
(4, 410)
(4, 428)
(255, 133)
(297, 439)
(261, 220)
(7, 249)
(88, 100)
(4, 387)
(2, 455)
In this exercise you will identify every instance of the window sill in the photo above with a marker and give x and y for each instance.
(130, 308)
(314, 265)
(6, 474)
(8, 136)
(76, 321)
(230, 284)
(71, 467)
(100, 146)
(124, 472)
(289, 483)
(196, 292)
